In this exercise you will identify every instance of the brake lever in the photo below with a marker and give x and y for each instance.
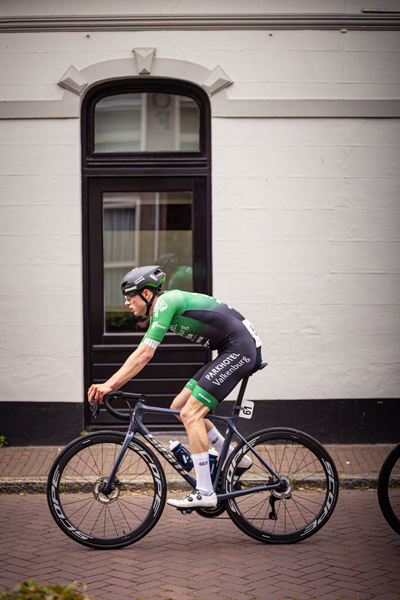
(130, 410)
(95, 409)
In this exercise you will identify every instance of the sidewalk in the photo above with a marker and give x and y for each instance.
(25, 469)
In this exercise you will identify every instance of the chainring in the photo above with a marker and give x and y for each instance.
(215, 511)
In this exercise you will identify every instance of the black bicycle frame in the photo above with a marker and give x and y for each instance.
(136, 426)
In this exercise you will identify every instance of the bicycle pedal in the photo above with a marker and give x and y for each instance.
(185, 511)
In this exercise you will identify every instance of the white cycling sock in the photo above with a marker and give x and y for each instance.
(217, 441)
(203, 477)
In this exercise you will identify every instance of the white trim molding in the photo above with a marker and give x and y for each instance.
(379, 20)
(215, 81)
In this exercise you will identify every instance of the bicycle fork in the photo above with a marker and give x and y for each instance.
(111, 479)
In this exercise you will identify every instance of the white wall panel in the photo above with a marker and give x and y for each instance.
(41, 261)
(307, 244)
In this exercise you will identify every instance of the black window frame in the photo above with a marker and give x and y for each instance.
(168, 159)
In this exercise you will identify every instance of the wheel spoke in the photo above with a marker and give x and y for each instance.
(281, 515)
(127, 512)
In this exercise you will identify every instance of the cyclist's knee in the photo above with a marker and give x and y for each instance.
(193, 412)
(187, 419)
(180, 400)
(174, 404)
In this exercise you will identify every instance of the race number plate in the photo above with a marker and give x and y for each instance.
(246, 410)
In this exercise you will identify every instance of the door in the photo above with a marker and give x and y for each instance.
(142, 206)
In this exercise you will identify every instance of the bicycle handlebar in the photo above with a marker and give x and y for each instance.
(118, 394)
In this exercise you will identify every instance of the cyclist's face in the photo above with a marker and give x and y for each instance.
(135, 304)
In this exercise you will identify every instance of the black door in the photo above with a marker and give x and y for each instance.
(131, 222)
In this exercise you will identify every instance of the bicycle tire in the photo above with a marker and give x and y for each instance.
(128, 513)
(389, 489)
(299, 510)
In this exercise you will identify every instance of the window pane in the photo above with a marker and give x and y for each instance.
(145, 228)
(117, 123)
(153, 122)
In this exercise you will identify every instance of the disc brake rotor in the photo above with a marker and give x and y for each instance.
(105, 498)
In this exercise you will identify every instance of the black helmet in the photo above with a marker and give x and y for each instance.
(142, 277)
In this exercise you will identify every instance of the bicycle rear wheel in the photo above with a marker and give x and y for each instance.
(305, 502)
(84, 513)
(389, 489)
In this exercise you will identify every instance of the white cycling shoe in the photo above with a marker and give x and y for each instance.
(194, 500)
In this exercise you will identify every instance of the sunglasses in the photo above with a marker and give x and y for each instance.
(128, 297)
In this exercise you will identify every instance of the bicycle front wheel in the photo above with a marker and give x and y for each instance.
(84, 513)
(305, 501)
(389, 489)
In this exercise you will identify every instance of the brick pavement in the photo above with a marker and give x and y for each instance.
(356, 556)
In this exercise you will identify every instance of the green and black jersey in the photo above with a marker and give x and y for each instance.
(199, 318)
(207, 321)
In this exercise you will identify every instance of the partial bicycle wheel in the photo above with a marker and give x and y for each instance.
(389, 489)
(84, 513)
(308, 495)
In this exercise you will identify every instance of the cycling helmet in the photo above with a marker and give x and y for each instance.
(143, 277)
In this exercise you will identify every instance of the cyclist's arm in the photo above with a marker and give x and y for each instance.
(131, 367)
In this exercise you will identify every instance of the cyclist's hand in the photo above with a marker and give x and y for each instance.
(97, 391)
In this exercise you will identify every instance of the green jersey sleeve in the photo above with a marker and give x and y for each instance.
(166, 308)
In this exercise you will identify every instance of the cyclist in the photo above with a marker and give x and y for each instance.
(202, 320)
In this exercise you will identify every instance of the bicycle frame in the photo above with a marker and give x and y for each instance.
(136, 426)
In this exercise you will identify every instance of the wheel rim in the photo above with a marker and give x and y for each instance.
(82, 508)
(394, 494)
(297, 509)
(389, 489)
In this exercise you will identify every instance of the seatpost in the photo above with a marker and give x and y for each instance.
(237, 407)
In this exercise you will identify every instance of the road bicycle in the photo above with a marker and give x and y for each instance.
(389, 489)
(106, 490)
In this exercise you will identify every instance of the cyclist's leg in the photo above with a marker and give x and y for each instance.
(182, 398)
(192, 416)
(211, 384)
(215, 380)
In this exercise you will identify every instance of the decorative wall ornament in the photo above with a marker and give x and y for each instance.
(216, 81)
(144, 59)
(213, 81)
(72, 80)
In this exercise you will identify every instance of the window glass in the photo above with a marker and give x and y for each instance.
(144, 228)
(147, 122)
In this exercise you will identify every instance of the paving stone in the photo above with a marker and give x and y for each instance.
(355, 556)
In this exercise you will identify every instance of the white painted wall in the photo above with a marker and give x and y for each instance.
(305, 211)
(188, 7)
(306, 243)
(41, 261)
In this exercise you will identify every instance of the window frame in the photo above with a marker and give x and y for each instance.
(192, 158)
(109, 172)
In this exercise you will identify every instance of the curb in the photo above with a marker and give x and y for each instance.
(37, 485)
